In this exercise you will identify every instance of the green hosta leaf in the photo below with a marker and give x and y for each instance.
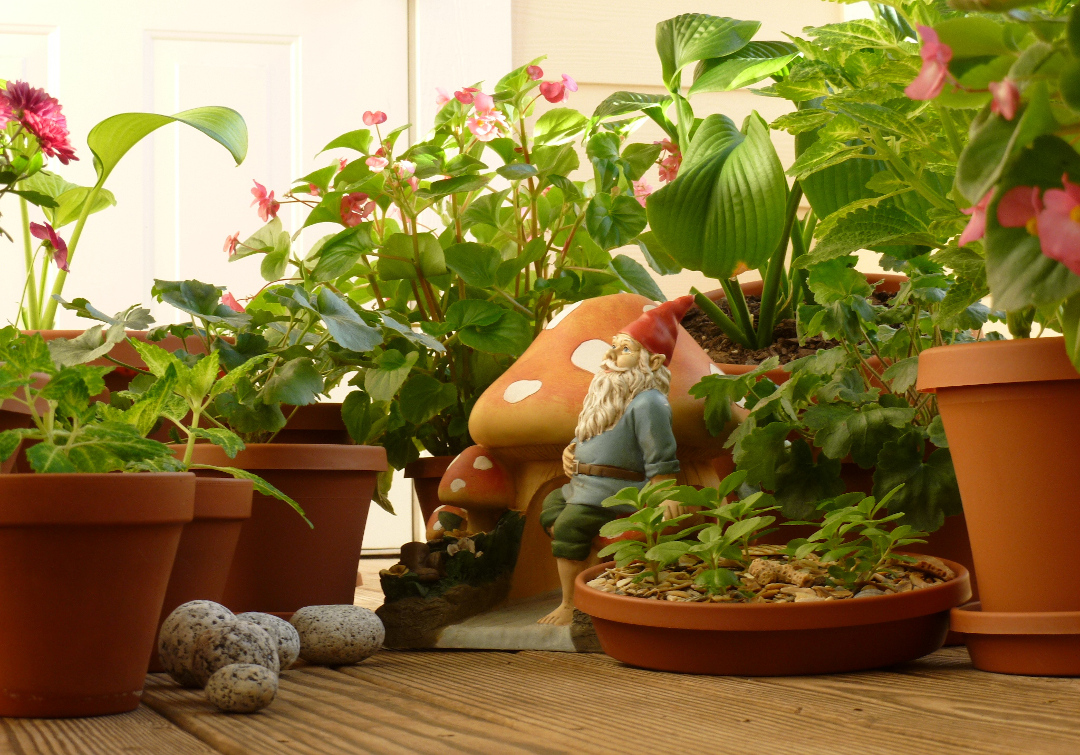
(635, 278)
(691, 37)
(400, 250)
(477, 264)
(655, 254)
(422, 397)
(749, 65)
(559, 126)
(113, 137)
(930, 492)
(614, 221)
(382, 383)
(727, 204)
(296, 382)
(622, 103)
(341, 251)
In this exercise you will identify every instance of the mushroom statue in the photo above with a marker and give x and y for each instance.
(527, 418)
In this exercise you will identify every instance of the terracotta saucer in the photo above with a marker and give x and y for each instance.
(1033, 644)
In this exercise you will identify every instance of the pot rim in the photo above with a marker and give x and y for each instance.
(77, 498)
(314, 456)
(770, 617)
(971, 619)
(223, 498)
(1019, 360)
(428, 466)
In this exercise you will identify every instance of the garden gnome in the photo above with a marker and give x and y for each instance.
(623, 438)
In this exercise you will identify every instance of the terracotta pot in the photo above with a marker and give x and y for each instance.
(281, 564)
(771, 640)
(84, 563)
(316, 423)
(206, 546)
(1034, 644)
(887, 282)
(1011, 410)
(426, 474)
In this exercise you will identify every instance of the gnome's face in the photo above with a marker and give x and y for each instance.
(625, 352)
(627, 370)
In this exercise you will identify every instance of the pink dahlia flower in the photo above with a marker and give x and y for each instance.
(40, 115)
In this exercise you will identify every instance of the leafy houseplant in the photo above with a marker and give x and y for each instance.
(844, 586)
(32, 129)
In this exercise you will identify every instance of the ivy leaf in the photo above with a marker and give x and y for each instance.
(761, 451)
(902, 374)
(296, 382)
(930, 492)
(842, 430)
(801, 482)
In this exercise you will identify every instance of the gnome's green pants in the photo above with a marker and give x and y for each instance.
(574, 526)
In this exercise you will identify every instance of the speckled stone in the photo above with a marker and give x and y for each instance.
(242, 687)
(235, 642)
(176, 642)
(288, 641)
(337, 635)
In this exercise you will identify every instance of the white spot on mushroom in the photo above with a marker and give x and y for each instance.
(590, 355)
(482, 462)
(438, 526)
(457, 484)
(562, 315)
(519, 390)
(716, 370)
(647, 307)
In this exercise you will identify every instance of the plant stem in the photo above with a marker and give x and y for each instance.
(61, 276)
(33, 308)
(721, 320)
(739, 311)
(950, 129)
(767, 313)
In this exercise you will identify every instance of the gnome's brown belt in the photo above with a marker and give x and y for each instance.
(603, 470)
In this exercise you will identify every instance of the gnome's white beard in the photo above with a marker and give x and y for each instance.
(612, 390)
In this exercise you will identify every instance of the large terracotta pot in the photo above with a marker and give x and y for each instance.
(771, 640)
(316, 423)
(84, 563)
(207, 546)
(426, 474)
(281, 564)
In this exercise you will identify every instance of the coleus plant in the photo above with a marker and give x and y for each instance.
(33, 131)
(466, 244)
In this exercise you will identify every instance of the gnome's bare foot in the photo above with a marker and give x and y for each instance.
(563, 616)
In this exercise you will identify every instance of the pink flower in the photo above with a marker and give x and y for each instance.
(935, 68)
(670, 163)
(231, 243)
(569, 83)
(341, 163)
(976, 227)
(374, 118)
(268, 206)
(40, 115)
(1059, 225)
(554, 91)
(441, 96)
(404, 168)
(1006, 98)
(483, 103)
(488, 126)
(465, 95)
(313, 190)
(55, 246)
(641, 191)
(1020, 208)
(355, 208)
(230, 301)
(376, 163)
(535, 73)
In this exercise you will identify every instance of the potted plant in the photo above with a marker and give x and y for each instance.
(702, 599)
(74, 528)
(1017, 173)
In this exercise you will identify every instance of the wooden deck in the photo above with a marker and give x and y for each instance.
(533, 702)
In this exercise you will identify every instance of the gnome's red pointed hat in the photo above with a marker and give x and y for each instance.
(657, 329)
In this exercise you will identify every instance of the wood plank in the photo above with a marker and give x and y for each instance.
(321, 711)
(141, 731)
(939, 704)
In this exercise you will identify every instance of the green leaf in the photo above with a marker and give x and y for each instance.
(614, 221)
(111, 139)
(973, 37)
(229, 380)
(458, 185)
(229, 441)
(423, 397)
(936, 432)
(930, 492)
(472, 312)
(477, 264)
(382, 384)
(655, 254)
(517, 171)
(341, 251)
(359, 140)
(510, 334)
(749, 65)
(669, 552)
(635, 278)
(622, 103)
(902, 374)
(1072, 31)
(874, 226)
(639, 157)
(802, 481)
(691, 37)
(401, 262)
(727, 204)
(201, 377)
(835, 281)
(881, 117)
(296, 382)
(842, 430)
(760, 452)
(559, 126)
(346, 327)
(69, 205)
(201, 300)
(862, 32)
(260, 485)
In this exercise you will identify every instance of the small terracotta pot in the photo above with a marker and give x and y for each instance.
(1034, 644)
(426, 474)
(316, 423)
(1011, 411)
(281, 564)
(759, 639)
(206, 547)
(84, 563)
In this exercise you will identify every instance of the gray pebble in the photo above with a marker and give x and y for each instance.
(869, 592)
(288, 641)
(242, 687)
(236, 642)
(337, 635)
(181, 630)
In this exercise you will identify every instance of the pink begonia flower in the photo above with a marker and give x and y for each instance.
(54, 245)
(374, 118)
(40, 115)
(1006, 98)
(268, 206)
(569, 83)
(535, 73)
(554, 92)
(935, 68)
(341, 163)
(355, 208)
(484, 103)
(1059, 225)
(976, 227)
(641, 191)
(465, 95)
(669, 164)
(488, 126)
(376, 163)
(313, 190)
(405, 167)
(230, 301)
(441, 96)
(1020, 208)
(231, 243)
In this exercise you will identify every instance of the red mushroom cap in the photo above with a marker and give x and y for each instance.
(435, 529)
(476, 479)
